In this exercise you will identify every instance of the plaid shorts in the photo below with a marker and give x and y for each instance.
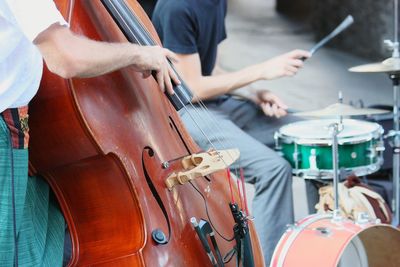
(17, 122)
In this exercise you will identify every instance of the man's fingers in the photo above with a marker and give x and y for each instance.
(275, 111)
(282, 112)
(171, 55)
(266, 107)
(173, 75)
(298, 53)
(278, 112)
(278, 102)
(291, 69)
(160, 80)
(146, 74)
(167, 80)
(297, 63)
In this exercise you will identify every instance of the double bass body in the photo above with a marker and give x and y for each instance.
(101, 142)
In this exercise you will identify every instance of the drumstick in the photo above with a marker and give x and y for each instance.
(292, 110)
(342, 26)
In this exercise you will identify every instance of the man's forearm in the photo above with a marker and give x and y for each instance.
(96, 58)
(222, 83)
(70, 55)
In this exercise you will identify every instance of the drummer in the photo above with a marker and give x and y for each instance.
(194, 29)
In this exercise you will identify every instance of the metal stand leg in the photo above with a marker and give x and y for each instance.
(336, 179)
(396, 186)
(396, 151)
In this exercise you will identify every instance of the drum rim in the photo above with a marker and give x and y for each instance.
(351, 140)
(298, 227)
(292, 237)
(355, 139)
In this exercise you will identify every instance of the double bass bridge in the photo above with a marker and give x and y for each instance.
(202, 164)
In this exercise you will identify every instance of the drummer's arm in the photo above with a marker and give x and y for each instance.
(271, 105)
(246, 92)
(189, 66)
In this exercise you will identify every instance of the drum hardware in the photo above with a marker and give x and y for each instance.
(324, 231)
(363, 218)
(391, 66)
(334, 127)
(372, 152)
(340, 117)
(394, 141)
(296, 157)
(307, 146)
(313, 160)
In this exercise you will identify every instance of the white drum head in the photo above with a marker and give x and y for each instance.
(317, 131)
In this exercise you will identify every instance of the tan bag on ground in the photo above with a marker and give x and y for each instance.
(355, 198)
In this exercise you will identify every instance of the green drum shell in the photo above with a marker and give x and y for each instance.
(359, 154)
(350, 155)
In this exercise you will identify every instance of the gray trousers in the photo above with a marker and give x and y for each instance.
(243, 125)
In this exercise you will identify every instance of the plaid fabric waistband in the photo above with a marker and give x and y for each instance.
(17, 122)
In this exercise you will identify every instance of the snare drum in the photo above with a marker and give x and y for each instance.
(319, 241)
(307, 145)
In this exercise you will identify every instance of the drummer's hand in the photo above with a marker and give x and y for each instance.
(272, 105)
(284, 65)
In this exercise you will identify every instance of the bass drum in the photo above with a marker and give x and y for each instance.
(319, 241)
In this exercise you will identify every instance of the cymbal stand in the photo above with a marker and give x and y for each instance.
(334, 127)
(395, 143)
(340, 98)
(395, 134)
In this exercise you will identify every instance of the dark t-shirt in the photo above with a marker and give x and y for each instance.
(192, 26)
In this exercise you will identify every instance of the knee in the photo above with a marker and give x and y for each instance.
(276, 171)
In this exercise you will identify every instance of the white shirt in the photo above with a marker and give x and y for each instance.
(21, 64)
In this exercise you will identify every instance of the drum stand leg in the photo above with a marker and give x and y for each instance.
(336, 175)
(396, 186)
(395, 143)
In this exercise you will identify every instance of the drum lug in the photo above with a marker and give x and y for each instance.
(323, 231)
(380, 146)
(312, 159)
(278, 146)
(373, 151)
(297, 158)
(363, 218)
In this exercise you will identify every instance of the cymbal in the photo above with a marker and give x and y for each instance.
(339, 109)
(390, 65)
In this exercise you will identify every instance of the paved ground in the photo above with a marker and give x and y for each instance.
(256, 32)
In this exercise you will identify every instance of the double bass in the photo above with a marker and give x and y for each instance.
(107, 147)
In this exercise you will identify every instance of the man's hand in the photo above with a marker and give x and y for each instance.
(69, 55)
(284, 65)
(272, 105)
(155, 58)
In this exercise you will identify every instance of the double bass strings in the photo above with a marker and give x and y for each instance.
(147, 40)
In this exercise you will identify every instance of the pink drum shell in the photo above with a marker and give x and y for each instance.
(311, 248)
